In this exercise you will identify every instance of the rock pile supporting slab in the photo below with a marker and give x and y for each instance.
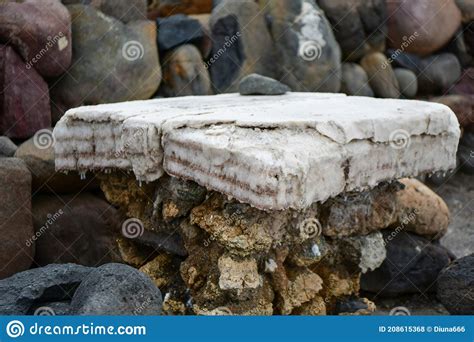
(264, 205)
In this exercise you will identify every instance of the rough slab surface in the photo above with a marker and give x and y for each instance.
(274, 152)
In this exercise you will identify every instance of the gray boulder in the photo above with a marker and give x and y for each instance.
(308, 55)
(26, 291)
(255, 84)
(124, 68)
(241, 44)
(117, 289)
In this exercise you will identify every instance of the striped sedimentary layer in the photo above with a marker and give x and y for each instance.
(275, 152)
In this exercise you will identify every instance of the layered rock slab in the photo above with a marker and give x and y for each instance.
(274, 153)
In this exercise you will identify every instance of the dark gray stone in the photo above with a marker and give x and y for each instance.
(412, 265)
(455, 287)
(25, 291)
(359, 25)
(7, 147)
(178, 30)
(117, 289)
(255, 84)
(242, 44)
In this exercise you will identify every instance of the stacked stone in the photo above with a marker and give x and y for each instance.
(245, 261)
(251, 235)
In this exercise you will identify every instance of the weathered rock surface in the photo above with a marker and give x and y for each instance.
(360, 213)
(422, 211)
(241, 44)
(116, 289)
(359, 26)
(79, 229)
(126, 67)
(354, 80)
(38, 154)
(382, 79)
(434, 23)
(412, 265)
(309, 57)
(345, 127)
(16, 225)
(123, 10)
(407, 82)
(40, 30)
(255, 84)
(164, 8)
(23, 291)
(455, 286)
(184, 73)
(462, 106)
(24, 100)
(7, 147)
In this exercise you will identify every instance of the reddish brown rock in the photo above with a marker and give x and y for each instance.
(40, 30)
(462, 106)
(24, 97)
(80, 229)
(422, 27)
(165, 8)
(16, 227)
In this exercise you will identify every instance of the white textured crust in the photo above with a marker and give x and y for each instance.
(273, 152)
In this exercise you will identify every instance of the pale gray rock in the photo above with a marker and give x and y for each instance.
(255, 84)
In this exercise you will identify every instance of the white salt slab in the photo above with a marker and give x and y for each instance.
(273, 152)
